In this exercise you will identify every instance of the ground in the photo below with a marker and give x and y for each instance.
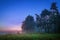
(30, 37)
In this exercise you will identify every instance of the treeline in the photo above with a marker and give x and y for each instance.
(47, 22)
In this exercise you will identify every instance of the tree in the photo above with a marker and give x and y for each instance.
(29, 24)
(42, 21)
(55, 17)
(45, 20)
(38, 22)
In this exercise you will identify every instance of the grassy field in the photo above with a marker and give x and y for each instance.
(30, 37)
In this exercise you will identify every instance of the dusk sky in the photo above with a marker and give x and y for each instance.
(13, 12)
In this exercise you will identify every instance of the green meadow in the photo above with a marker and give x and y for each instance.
(30, 37)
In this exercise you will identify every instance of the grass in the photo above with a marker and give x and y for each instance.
(30, 37)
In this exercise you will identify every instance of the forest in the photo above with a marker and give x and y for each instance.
(47, 22)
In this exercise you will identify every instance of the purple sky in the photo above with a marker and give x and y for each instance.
(13, 12)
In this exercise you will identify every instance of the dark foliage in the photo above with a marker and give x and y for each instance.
(28, 24)
(47, 22)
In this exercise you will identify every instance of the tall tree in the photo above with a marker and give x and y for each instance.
(55, 16)
(45, 19)
(28, 24)
(38, 22)
(42, 21)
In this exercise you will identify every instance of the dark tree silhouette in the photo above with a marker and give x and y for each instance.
(42, 21)
(55, 17)
(38, 22)
(45, 20)
(28, 24)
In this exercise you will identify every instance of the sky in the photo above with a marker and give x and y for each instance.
(14, 12)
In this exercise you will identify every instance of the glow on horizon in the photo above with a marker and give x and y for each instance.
(13, 28)
(17, 28)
